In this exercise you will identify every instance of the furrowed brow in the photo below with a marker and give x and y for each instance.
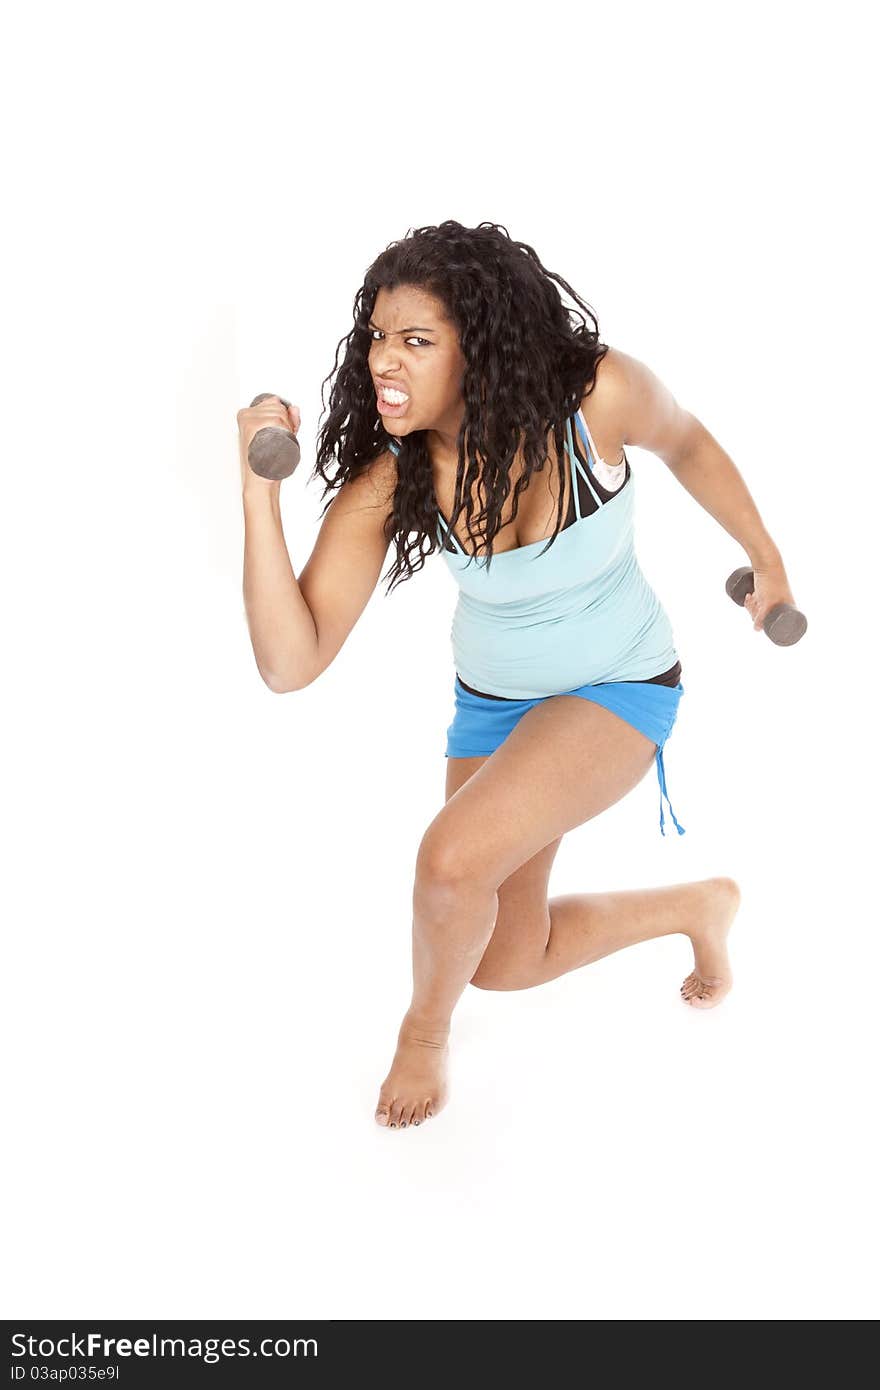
(414, 329)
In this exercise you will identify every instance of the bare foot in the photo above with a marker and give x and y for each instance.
(711, 978)
(415, 1087)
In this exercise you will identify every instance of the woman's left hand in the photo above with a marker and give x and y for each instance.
(771, 587)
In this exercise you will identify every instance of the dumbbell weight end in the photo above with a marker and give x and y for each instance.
(784, 624)
(273, 453)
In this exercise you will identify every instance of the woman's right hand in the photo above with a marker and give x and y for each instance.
(252, 418)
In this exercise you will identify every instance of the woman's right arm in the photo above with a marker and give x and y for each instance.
(280, 623)
(297, 627)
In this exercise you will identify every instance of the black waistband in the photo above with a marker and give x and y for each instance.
(670, 677)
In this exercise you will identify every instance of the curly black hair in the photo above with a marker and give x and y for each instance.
(527, 371)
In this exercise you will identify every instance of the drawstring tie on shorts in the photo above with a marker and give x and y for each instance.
(661, 777)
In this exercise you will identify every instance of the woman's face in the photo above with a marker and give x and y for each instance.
(415, 349)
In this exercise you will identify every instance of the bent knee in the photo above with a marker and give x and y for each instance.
(499, 977)
(730, 886)
(489, 980)
(446, 865)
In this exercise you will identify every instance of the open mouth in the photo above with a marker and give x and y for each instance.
(387, 407)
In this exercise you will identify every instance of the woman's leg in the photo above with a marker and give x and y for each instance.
(565, 761)
(538, 938)
(584, 927)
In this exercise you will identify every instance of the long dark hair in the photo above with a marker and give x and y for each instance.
(527, 368)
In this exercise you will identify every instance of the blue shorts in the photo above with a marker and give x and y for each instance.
(479, 725)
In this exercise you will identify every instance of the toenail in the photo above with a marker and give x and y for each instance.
(417, 1122)
(403, 1124)
(393, 1125)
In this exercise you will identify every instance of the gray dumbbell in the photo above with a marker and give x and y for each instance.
(273, 452)
(784, 624)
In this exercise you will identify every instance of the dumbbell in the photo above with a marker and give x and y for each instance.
(273, 452)
(784, 624)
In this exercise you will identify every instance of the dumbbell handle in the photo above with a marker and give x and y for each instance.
(273, 453)
(784, 624)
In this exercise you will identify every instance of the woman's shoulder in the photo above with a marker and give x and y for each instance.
(631, 405)
(604, 407)
(371, 484)
(381, 473)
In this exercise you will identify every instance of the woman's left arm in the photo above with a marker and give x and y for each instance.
(711, 476)
(649, 417)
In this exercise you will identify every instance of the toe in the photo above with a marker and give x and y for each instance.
(383, 1111)
(710, 995)
(394, 1120)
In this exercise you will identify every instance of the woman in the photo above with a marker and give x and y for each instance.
(463, 376)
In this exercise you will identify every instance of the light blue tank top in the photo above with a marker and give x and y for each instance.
(533, 625)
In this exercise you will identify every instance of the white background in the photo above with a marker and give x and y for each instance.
(208, 886)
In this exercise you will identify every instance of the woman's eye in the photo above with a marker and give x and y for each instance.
(414, 339)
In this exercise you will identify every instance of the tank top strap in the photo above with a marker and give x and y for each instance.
(445, 532)
(575, 463)
(586, 436)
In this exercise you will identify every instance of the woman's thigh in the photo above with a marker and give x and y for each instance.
(522, 925)
(563, 763)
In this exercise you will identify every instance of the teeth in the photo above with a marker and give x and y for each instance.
(394, 397)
